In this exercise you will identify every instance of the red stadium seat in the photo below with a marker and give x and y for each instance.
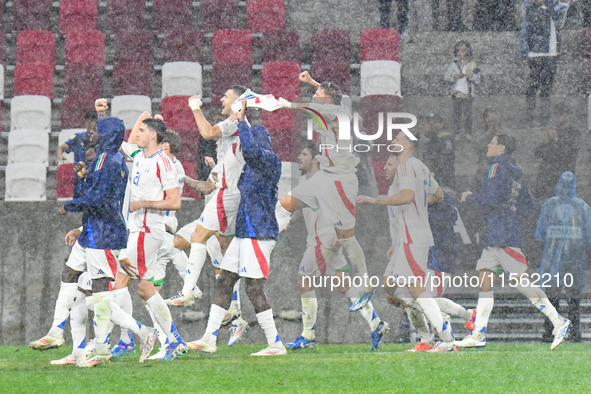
(177, 114)
(78, 15)
(132, 78)
(35, 46)
(73, 110)
(127, 134)
(33, 79)
(134, 46)
(281, 45)
(286, 143)
(218, 15)
(190, 170)
(380, 174)
(81, 79)
(183, 46)
(586, 42)
(172, 15)
(125, 15)
(379, 44)
(265, 15)
(85, 47)
(281, 79)
(336, 72)
(331, 45)
(31, 14)
(190, 140)
(232, 46)
(65, 181)
(371, 106)
(225, 75)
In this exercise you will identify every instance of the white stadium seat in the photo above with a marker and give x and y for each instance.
(28, 146)
(30, 112)
(65, 135)
(129, 108)
(181, 79)
(25, 182)
(380, 77)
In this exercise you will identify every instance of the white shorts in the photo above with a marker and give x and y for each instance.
(318, 258)
(102, 263)
(142, 253)
(249, 257)
(85, 281)
(334, 194)
(410, 264)
(213, 244)
(165, 254)
(219, 213)
(186, 231)
(77, 259)
(502, 259)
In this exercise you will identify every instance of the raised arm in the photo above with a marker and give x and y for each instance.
(206, 130)
(136, 127)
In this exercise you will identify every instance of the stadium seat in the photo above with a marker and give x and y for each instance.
(129, 108)
(379, 44)
(336, 72)
(177, 114)
(132, 79)
(281, 79)
(586, 42)
(172, 15)
(134, 46)
(64, 136)
(290, 177)
(226, 74)
(78, 15)
(125, 15)
(331, 45)
(190, 170)
(371, 106)
(380, 174)
(380, 77)
(190, 143)
(25, 182)
(30, 112)
(31, 14)
(283, 119)
(85, 47)
(80, 78)
(33, 79)
(265, 15)
(218, 15)
(232, 46)
(286, 144)
(281, 46)
(183, 46)
(35, 46)
(65, 181)
(74, 108)
(181, 79)
(28, 146)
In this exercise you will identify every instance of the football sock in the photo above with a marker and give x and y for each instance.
(163, 317)
(235, 303)
(370, 315)
(123, 299)
(309, 312)
(179, 260)
(433, 315)
(216, 317)
(214, 250)
(63, 304)
(419, 321)
(267, 323)
(161, 335)
(78, 318)
(194, 266)
(102, 317)
(451, 308)
(282, 216)
(486, 302)
(539, 300)
(356, 257)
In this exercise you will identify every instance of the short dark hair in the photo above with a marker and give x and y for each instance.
(157, 126)
(238, 89)
(416, 142)
(468, 48)
(91, 115)
(333, 91)
(509, 142)
(174, 140)
(312, 148)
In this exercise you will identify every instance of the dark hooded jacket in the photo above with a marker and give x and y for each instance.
(503, 198)
(443, 256)
(257, 184)
(565, 225)
(104, 190)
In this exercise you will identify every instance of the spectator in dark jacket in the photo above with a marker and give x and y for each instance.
(438, 153)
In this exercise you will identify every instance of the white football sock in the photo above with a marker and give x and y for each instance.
(235, 303)
(214, 249)
(356, 257)
(123, 299)
(370, 315)
(102, 317)
(433, 315)
(63, 304)
(419, 321)
(309, 313)
(267, 323)
(486, 302)
(539, 299)
(78, 318)
(451, 308)
(161, 335)
(179, 260)
(216, 317)
(162, 315)
(194, 266)
(282, 216)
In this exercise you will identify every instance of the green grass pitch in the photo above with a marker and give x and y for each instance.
(500, 368)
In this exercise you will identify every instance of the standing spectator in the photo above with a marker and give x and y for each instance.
(463, 74)
(454, 15)
(494, 15)
(565, 225)
(438, 153)
(385, 8)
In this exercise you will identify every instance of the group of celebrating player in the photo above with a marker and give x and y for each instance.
(133, 211)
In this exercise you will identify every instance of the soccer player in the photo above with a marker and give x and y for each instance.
(324, 254)
(411, 187)
(334, 188)
(256, 233)
(503, 198)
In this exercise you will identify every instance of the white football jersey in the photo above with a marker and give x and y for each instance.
(316, 225)
(393, 219)
(229, 154)
(170, 220)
